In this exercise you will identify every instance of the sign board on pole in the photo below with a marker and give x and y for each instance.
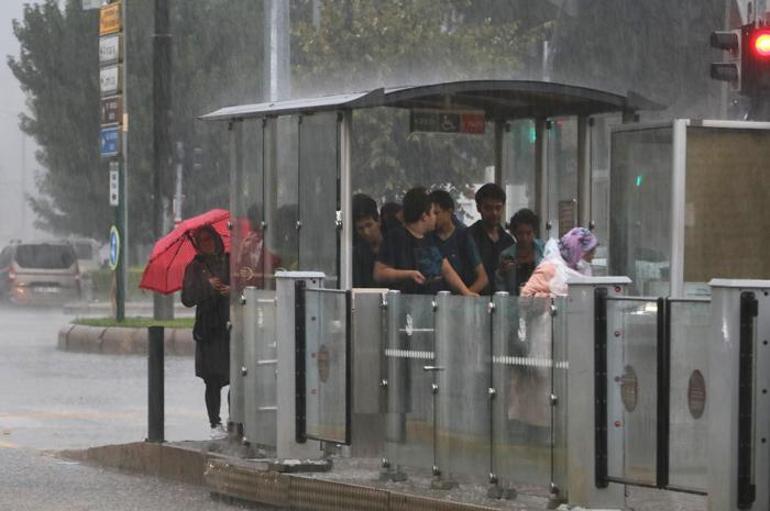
(114, 248)
(109, 49)
(109, 141)
(112, 110)
(114, 185)
(109, 80)
(440, 121)
(109, 19)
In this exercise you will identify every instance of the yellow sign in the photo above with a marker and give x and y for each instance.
(109, 19)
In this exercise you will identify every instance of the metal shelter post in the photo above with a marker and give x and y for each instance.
(499, 138)
(236, 308)
(582, 489)
(678, 208)
(584, 171)
(541, 174)
(345, 215)
(737, 396)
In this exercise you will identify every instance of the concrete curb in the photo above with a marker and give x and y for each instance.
(122, 340)
(241, 481)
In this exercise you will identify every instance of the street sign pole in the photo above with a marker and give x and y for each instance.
(113, 138)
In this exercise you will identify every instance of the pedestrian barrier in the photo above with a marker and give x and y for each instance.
(573, 396)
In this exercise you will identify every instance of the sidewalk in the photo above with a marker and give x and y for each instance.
(351, 484)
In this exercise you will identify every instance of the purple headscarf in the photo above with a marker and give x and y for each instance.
(575, 244)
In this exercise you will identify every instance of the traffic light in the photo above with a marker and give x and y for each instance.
(755, 60)
(730, 71)
(747, 67)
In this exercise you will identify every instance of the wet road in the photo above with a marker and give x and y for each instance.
(51, 399)
(35, 481)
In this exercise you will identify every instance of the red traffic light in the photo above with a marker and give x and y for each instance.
(760, 43)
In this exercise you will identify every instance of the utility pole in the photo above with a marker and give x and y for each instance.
(163, 306)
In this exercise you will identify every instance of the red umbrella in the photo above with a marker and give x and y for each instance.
(174, 251)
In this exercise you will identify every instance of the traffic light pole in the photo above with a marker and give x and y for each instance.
(163, 306)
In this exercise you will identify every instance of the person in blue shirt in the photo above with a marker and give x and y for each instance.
(518, 261)
(489, 236)
(409, 259)
(368, 239)
(452, 238)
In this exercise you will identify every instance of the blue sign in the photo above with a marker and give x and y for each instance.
(109, 141)
(114, 248)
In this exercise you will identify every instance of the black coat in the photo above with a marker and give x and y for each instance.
(212, 313)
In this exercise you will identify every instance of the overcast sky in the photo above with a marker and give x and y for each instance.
(12, 210)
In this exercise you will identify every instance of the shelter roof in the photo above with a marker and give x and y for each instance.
(498, 99)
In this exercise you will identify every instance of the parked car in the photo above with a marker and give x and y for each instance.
(87, 251)
(39, 273)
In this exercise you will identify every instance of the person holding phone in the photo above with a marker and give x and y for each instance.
(206, 287)
(518, 261)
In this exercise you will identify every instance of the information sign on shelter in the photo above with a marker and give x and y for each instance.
(109, 141)
(109, 49)
(112, 110)
(109, 19)
(109, 80)
(438, 121)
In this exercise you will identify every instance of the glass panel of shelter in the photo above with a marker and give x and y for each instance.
(562, 180)
(318, 195)
(640, 199)
(388, 159)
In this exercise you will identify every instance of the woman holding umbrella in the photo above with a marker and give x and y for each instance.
(206, 286)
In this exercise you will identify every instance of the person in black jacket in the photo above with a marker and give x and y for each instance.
(207, 287)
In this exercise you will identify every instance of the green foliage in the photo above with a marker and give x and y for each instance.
(101, 280)
(216, 60)
(136, 322)
(57, 71)
(657, 48)
(360, 44)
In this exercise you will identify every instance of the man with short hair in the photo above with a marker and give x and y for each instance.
(369, 239)
(490, 237)
(455, 243)
(409, 259)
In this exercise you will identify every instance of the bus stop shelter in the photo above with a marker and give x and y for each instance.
(292, 161)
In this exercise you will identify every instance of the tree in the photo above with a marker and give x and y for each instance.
(217, 61)
(360, 44)
(57, 71)
(656, 48)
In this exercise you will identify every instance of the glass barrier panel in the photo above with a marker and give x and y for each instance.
(562, 176)
(281, 191)
(260, 360)
(410, 347)
(318, 173)
(326, 363)
(521, 375)
(632, 389)
(688, 428)
(560, 387)
(640, 202)
(463, 376)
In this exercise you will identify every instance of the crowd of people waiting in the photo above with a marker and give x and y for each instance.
(423, 248)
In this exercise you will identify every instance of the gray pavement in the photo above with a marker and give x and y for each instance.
(36, 481)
